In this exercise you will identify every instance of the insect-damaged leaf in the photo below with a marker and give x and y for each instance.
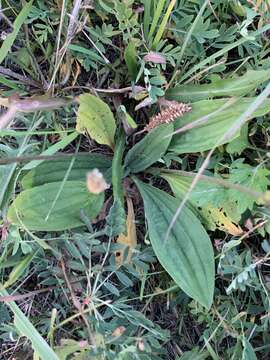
(150, 149)
(212, 217)
(43, 208)
(95, 116)
(187, 254)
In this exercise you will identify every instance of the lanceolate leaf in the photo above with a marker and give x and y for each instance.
(96, 118)
(40, 209)
(55, 170)
(187, 254)
(237, 86)
(207, 135)
(150, 149)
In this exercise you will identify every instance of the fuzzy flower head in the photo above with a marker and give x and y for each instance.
(172, 111)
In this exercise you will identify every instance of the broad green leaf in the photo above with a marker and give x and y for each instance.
(207, 135)
(36, 208)
(187, 255)
(55, 170)
(20, 19)
(211, 216)
(130, 56)
(25, 328)
(237, 86)
(150, 149)
(7, 175)
(95, 116)
(205, 192)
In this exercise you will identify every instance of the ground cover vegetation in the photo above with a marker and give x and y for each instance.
(134, 177)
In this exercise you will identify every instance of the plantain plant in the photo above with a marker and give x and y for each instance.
(181, 244)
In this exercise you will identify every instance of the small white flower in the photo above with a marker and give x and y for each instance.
(96, 183)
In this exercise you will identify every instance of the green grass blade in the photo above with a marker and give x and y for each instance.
(9, 171)
(157, 14)
(8, 42)
(19, 269)
(26, 328)
(146, 17)
(163, 24)
(53, 149)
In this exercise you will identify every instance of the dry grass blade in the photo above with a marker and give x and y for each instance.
(7, 117)
(72, 26)
(60, 53)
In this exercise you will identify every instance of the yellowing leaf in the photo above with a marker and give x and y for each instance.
(211, 216)
(130, 239)
(95, 117)
(216, 218)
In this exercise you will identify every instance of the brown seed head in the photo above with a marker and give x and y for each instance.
(173, 110)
